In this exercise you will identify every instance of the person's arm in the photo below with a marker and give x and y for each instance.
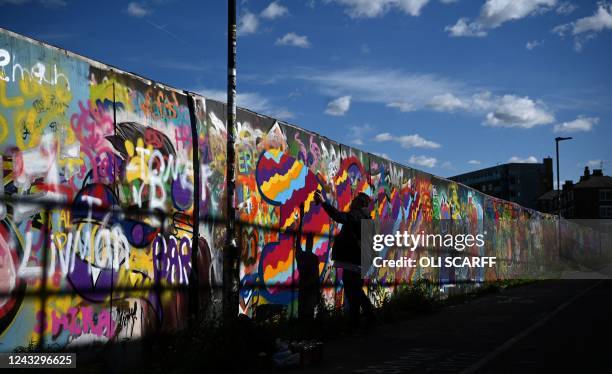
(298, 235)
(335, 214)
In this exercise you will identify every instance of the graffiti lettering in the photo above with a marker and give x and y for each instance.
(83, 320)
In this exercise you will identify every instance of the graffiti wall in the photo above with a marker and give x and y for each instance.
(113, 206)
(98, 188)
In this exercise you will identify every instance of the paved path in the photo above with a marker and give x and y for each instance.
(550, 325)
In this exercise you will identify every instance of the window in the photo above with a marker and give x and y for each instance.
(605, 211)
(605, 195)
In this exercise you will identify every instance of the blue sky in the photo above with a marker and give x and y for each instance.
(444, 86)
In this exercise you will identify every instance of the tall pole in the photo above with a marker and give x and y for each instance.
(230, 282)
(557, 140)
(558, 178)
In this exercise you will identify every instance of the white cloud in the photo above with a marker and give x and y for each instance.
(294, 40)
(358, 133)
(565, 8)
(424, 161)
(587, 28)
(136, 9)
(415, 141)
(533, 44)
(563, 29)
(465, 28)
(601, 20)
(402, 106)
(447, 165)
(339, 106)
(365, 8)
(577, 125)
(389, 87)
(474, 162)
(383, 137)
(274, 10)
(514, 111)
(528, 160)
(412, 7)
(376, 8)
(250, 100)
(248, 23)
(407, 141)
(446, 103)
(383, 155)
(594, 163)
(494, 13)
(410, 92)
(501, 111)
(283, 114)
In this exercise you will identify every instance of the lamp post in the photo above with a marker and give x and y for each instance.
(557, 140)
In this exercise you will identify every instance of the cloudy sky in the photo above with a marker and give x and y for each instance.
(447, 86)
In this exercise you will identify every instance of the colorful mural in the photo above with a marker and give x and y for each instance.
(100, 212)
(104, 160)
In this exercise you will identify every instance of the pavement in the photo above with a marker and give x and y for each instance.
(556, 325)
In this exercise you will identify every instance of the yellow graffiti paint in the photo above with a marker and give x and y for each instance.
(138, 164)
(3, 129)
(279, 183)
(111, 90)
(6, 101)
(342, 178)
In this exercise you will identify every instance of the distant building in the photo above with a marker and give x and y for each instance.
(590, 198)
(518, 182)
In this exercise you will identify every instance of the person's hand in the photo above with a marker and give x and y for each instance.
(318, 198)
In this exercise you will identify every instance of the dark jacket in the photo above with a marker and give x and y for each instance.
(347, 244)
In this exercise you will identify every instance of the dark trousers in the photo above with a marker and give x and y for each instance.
(308, 297)
(355, 297)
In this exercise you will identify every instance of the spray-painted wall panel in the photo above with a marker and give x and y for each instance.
(288, 166)
(104, 150)
(212, 136)
(43, 95)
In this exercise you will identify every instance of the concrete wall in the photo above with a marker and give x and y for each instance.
(97, 231)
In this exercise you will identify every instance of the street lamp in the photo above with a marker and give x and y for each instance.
(557, 140)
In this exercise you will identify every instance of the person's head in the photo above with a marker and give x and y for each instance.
(309, 243)
(360, 201)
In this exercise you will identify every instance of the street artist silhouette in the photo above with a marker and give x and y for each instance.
(308, 269)
(346, 254)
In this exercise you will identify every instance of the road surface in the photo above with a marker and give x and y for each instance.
(560, 326)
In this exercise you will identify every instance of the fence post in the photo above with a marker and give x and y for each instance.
(194, 279)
